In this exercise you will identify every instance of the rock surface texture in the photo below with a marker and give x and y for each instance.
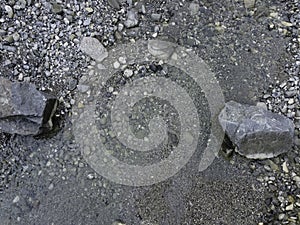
(256, 132)
(23, 109)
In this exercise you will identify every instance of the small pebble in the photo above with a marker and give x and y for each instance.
(285, 168)
(289, 207)
(116, 65)
(16, 199)
(128, 73)
(9, 11)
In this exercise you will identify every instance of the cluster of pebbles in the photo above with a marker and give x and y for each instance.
(281, 175)
(284, 98)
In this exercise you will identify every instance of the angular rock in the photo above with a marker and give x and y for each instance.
(92, 47)
(256, 132)
(23, 109)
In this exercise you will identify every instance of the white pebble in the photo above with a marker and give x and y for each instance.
(16, 199)
(128, 73)
(116, 65)
(289, 207)
(284, 167)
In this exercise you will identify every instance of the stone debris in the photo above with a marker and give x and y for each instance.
(256, 132)
(161, 49)
(92, 47)
(115, 4)
(249, 4)
(132, 19)
(23, 109)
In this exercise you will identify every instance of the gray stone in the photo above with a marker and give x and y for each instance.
(115, 4)
(57, 8)
(256, 132)
(132, 19)
(156, 16)
(161, 49)
(249, 4)
(92, 47)
(194, 8)
(23, 109)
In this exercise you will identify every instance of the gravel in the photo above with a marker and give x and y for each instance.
(254, 53)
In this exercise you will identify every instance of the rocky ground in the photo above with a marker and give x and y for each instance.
(254, 52)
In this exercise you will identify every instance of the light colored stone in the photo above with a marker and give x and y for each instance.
(289, 207)
(16, 199)
(284, 167)
(132, 19)
(249, 4)
(92, 47)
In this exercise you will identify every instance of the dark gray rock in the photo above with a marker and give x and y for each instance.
(256, 132)
(23, 109)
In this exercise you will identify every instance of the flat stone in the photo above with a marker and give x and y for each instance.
(256, 132)
(23, 109)
(92, 47)
(161, 49)
(249, 4)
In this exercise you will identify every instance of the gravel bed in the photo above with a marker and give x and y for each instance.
(254, 52)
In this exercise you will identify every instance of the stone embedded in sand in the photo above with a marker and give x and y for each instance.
(256, 132)
(92, 47)
(23, 109)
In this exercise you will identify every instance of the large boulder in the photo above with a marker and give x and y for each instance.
(256, 132)
(23, 109)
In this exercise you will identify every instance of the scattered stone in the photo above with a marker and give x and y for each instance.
(281, 216)
(289, 207)
(194, 8)
(16, 199)
(16, 36)
(257, 133)
(90, 176)
(284, 167)
(286, 24)
(132, 19)
(156, 16)
(262, 105)
(273, 165)
(9, 38)
(92, 47)
(249, 4)
(115, 4)
(9, 11)
(83, 88)
(116, 65)
(51, 186)
(23, 109)
(89, 9)
(128, 73)
(57, 8)
(161, 49)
